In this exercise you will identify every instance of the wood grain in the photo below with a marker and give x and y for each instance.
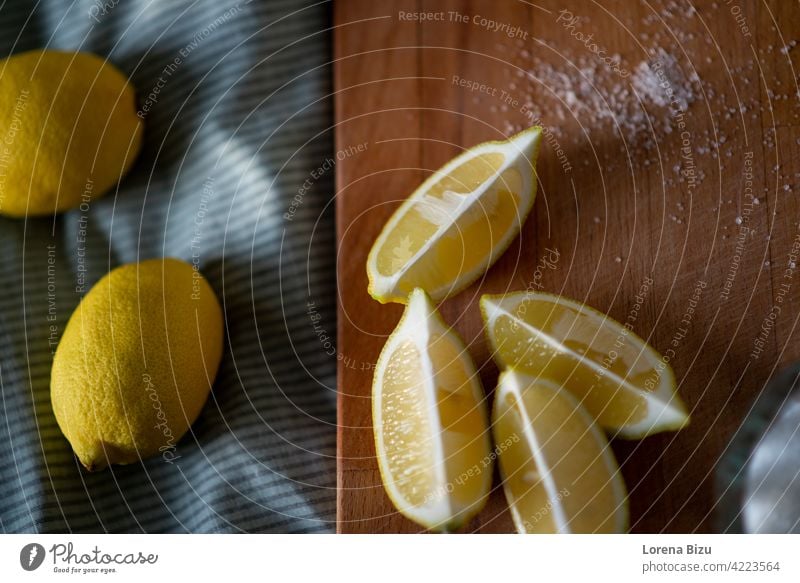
(618, 216)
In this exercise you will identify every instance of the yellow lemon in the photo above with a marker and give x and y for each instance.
(68, 133)
(621, 380)
(458, 222)
(136, 362)
(430, 422)
(559, 474)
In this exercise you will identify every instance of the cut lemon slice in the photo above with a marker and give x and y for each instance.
(617, 376)
(559, 474)
(458, 222)
(431, 430)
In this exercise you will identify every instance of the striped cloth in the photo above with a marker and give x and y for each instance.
(233, 130)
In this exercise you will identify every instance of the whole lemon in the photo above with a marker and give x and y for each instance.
(68, 133)
(136, 362)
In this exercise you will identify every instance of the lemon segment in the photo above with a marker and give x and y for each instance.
(430, 421)
(559, 474)
(616, 375)
(458, 222)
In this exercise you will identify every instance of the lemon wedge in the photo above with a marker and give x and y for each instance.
(458, 222)
(559, 474)
(429, 417)
(621, 380)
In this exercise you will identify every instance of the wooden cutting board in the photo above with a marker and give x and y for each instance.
(411, 92)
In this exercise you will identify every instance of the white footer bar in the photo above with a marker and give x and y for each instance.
(400, 558)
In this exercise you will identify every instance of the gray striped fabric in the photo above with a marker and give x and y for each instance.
(232, 132)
